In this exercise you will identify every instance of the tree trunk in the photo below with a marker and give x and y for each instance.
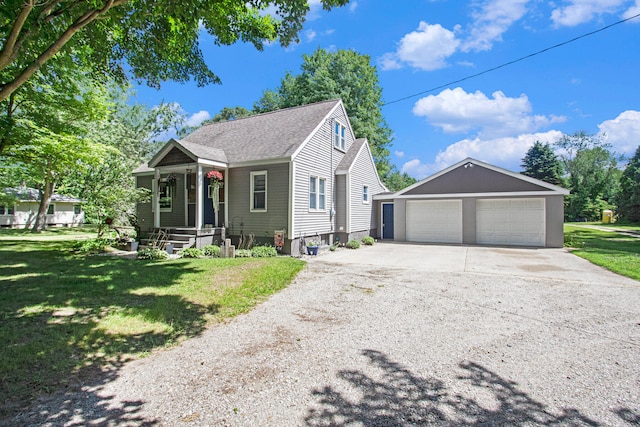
(45, 200)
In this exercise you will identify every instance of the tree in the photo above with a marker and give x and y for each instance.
(541, 162)
(153, 40)
(43, 137)
(343, 74)
(593, 176)
(131, 132)
(629, 196)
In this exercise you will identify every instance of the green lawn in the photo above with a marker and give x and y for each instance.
(611, 250)
(67, 317)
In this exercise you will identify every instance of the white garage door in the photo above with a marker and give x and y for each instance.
(512, 222)
(434, 221)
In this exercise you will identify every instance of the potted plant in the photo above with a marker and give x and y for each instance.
(312, 247)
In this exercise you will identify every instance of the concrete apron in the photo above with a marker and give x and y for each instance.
(550, 263)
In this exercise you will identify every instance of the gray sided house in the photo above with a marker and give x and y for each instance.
(472, 203)
(288, 175)
(64, 211)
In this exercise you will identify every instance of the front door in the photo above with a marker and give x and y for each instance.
(387, 220)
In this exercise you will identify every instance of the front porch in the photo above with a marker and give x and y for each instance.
(189, 196)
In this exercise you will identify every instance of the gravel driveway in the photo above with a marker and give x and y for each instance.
(397, 335)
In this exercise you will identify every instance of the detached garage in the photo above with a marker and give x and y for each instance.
(473, 202)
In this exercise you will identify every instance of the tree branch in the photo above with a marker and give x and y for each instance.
(55, 47)
(7, 50)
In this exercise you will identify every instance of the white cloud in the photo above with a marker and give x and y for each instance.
(456, 111)
(353, 5)
(506, 152)
(633, 11)
(623, 132)
(196, 119)
(491, 21)
(399, 154)
(310, 35)
(427, 48)
(577, 12)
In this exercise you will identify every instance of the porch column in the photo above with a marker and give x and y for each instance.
(155, 187)
(226, 198)
(199, 197)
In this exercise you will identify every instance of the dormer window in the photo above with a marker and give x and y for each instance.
(338, 136)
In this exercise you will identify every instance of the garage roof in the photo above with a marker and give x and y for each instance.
(475, 178)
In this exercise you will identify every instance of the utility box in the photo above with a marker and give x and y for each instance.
(607, 216)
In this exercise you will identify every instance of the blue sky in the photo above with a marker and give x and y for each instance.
(590, 85)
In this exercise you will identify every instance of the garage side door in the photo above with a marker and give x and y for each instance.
(434, 221)
(511, 222)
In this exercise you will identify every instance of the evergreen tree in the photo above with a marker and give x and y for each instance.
(541, 163)
(629, 196)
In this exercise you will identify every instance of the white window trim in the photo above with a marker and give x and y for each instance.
(251, 192)
(52, 206)
(317, 194)
(343, 139)
(366, 197)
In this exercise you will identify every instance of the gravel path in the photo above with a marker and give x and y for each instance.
(357, 344)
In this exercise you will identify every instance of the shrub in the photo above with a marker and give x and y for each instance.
(152, 253)
(211, 250)
(332, 248)
(243, 253)
(352, 244)
(263, 251)
(368, 240)
(191, 253)
(93, 246)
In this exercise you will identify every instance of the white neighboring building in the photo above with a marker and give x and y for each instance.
(64, 211)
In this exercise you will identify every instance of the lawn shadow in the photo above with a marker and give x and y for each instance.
(54, 343)
(400, 397)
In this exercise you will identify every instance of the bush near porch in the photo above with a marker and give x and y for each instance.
(68, 318)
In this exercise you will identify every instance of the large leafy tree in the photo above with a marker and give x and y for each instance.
(348, 75)
(132, 133)
(629, 196)
(541, 162)
(592, 175)
(153, 40)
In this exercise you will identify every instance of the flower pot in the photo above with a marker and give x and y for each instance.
(132, 246)
(312, 250)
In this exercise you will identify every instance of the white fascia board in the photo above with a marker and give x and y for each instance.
(273, 161)
(315, 130)
(206, 162)
(173, 143)
(516, 175)
(468, 195)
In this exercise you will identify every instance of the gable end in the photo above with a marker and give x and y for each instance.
(175, 157)
(475, 179)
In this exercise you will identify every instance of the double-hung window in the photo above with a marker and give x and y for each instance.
(317, 193)
(365, 194)
(52, 209)
(7, 210)
(259, 191)
(338, 136)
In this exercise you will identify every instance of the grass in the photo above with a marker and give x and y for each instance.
(613, 251)
(66, 318)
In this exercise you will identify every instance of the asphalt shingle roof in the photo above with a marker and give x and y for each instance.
(277, 134)
(27, 194)
(350, 156)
